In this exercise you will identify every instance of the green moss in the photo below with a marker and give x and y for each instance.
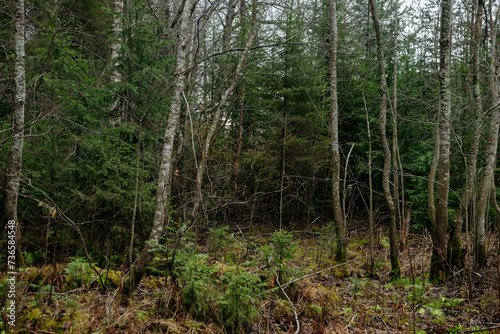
(312, 310)
(33, 316)
(320, 300)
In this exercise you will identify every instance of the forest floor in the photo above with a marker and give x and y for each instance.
(66, 298)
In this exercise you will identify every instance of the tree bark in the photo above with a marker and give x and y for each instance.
(228, 29)
(455, 250)
(116, 76)
(215, 123)
(397, 166)
(370, 186)
(431, 185)
(164, 178)
(438, 259)
(15, 157)
(338, 215)
(115, 45)
(393, 236)
(242, 101)
(487, 176)
(495, 204)
(136, 194)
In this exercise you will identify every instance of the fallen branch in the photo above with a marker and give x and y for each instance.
(308, 275)
(288, 298)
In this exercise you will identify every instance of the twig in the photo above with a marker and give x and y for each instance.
(308, 275)
(61, 214)
(234, 237)
(293, 306)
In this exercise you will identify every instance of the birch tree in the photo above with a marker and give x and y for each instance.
(393, 237)
(15, 158)
(455, 243)
(334, 130)
(216, 119)
(116, 76)
(438, 260)
(166, 163)
(487, 175)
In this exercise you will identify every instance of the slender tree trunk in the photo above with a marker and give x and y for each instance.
(397, 167)
(431, 185)
(228, 29)
(455, 250)
(15, 157)
(116, 76)
(164, 179)
(438, 260)
(283, 154)
(495, 205)
(216, 121)
(240, 136)
(487, 175)
(115, 45)
(242, 106)
(334, 131)
(136, 196)
(370, 185)
(393, 236)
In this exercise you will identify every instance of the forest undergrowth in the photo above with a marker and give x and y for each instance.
(254, 282)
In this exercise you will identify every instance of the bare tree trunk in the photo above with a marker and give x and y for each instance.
(15, 158)
(283, 149)
(393, 236)
(438, 260)
(487, 175)
(242, 106)
(397, 166)
(495, 204)
(216, 121)
(431, 185)
(455, 250)
(240, 136)
(136, 194)
(370, 185)
(116, 76)
(115, 45)
(228, 29)
(164, 179)
(334, 130)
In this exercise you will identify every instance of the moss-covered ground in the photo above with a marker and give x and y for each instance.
(234, 286)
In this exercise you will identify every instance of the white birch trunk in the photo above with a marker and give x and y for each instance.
(116, 76)
(165, 175)
(438, 260)
(15, 158)
(216, 122)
